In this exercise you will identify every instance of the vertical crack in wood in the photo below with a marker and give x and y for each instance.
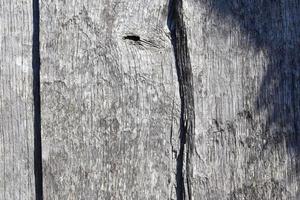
(187, 118)
(38, 171)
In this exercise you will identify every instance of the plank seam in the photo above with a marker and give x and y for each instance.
(38, 170)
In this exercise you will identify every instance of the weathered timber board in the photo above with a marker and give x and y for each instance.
(246, 64)
(110, 100)
(16, 101)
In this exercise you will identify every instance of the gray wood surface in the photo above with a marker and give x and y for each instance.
(110, 101)
(16, 102)
(151, 99)
(246, 64)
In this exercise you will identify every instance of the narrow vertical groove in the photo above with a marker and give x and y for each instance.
(38, 171)
(187, 118)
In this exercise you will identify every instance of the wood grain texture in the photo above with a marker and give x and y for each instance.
(246, 65)
(110, 101)
(16, 103)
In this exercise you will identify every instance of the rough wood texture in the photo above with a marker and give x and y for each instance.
(110, 101)
(245, 58)
(150, 99)
(16, 102)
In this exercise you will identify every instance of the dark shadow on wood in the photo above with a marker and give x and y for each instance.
(271, 26)
(270, 29)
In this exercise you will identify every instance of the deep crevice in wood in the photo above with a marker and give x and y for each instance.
(38, 171)
(135, 38)
(187, 118)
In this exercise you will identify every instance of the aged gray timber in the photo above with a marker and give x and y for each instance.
(187, 99)
(16, 101)
(245, 59)
(110, 100)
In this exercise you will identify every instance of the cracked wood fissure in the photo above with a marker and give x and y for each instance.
(187, 118)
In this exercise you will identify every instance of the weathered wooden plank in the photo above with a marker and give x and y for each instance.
(111, 105)
(16, 102)
(110, 100)
(246, 64)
